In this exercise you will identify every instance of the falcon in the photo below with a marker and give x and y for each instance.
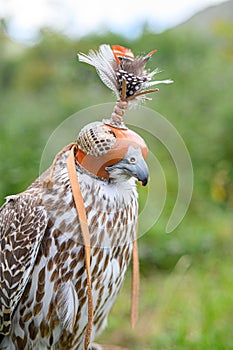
(67, 240)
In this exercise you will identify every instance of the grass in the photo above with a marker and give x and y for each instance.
(187, 309)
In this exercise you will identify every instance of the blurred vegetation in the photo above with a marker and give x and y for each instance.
(187, 286)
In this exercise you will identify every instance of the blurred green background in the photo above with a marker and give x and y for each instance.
(186, 298)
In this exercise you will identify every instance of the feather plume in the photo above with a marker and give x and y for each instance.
(117, 64)
(103, 61)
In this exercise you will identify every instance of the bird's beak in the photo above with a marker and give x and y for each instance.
(139, 169)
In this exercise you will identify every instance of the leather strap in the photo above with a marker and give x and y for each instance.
(78, 199)
(135, 284)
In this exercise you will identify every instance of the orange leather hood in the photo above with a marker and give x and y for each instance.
(124, 139)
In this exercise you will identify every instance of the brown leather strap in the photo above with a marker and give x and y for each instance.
(78, 199)
(135, 285)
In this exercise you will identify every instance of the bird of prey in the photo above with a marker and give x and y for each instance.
(63, 256)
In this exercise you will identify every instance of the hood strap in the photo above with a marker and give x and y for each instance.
(78, 199)
(135, 284)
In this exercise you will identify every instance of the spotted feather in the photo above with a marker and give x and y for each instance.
(22, 225)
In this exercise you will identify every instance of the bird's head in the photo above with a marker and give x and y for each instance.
(132, 165)
(112, 153)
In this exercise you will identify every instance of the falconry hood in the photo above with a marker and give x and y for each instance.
(103, 144)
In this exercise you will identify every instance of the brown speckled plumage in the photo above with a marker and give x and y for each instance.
(43, 295)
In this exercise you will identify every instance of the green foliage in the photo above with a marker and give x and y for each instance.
(186, 299)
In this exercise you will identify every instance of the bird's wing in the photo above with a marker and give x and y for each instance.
(22, 225)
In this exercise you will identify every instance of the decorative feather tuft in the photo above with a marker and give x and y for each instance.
(117, 66)
(103, 61)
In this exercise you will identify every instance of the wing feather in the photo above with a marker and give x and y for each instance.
(67, 305)
(22, 225)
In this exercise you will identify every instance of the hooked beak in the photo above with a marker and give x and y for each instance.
(137, 169)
